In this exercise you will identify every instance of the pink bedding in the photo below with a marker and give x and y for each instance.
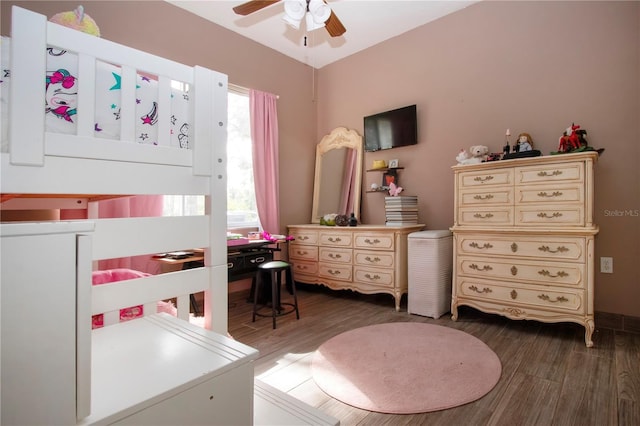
(112, 275)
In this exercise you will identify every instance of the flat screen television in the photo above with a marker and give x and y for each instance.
(391, 129)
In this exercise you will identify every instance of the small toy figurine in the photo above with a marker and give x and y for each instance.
(525, 143)
(573, 140)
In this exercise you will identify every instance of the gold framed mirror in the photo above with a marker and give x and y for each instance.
(338, 174)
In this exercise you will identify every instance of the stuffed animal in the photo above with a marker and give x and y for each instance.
(78, 20)
(462, 156)
(477, 154)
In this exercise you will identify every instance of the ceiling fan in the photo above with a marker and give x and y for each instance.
(317, 13)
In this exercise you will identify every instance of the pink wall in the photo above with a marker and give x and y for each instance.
(533, 67)
(529, 66)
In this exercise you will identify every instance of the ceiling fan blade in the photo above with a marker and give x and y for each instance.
(334, 26)
(253, 6)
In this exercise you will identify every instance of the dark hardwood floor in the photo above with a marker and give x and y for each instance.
(549, 376)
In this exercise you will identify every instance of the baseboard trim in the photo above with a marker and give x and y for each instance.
(617, 322)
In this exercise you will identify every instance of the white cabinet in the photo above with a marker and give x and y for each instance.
(38, 285)
(367, 259)
(524, 239)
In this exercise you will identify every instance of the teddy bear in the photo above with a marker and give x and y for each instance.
(477, 154)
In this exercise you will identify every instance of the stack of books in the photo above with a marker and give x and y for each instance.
(401, 210)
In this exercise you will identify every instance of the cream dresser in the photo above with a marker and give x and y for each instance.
(524, 239)
(366, 258)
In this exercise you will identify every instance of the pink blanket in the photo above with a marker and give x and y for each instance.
(126, 314)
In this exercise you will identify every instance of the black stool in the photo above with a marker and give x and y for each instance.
(274, 270)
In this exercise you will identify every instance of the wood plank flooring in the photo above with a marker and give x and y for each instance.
(549, 376)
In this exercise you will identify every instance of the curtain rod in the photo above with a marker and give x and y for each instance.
(242, 90)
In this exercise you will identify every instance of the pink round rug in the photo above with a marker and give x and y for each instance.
(405, 368)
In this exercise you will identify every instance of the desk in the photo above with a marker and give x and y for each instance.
(244, 259)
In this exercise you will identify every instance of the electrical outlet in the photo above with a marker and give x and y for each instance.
(606, 265)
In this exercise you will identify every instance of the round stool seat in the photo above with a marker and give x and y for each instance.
(274, 265)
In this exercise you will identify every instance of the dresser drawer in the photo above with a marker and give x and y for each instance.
(303, 268)
(551, 273)
(542, 195)
(374, 258)
(536, 247)
(565, 172)
(372, 240)
(485, 178)
(486, 196)
(564, 300)
(303, 236)
(485, 216)
(561, 215)
(332, 254)
(337, 239)
(302, 252)
(375, 276)
(335, 271)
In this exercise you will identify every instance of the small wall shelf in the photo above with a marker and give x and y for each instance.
(391, 170)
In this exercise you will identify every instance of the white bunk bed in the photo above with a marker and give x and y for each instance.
(158, 369)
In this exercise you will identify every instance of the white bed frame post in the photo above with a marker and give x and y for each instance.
(210, 158)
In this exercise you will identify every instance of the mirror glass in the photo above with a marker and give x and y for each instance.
(338, 174)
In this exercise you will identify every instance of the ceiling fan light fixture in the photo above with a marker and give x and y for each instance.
(319, 10)
(294, 11)
(312, 23)
(295, 23)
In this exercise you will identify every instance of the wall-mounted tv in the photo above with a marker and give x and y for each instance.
(391, 129)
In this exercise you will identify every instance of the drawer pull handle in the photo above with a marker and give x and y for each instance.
(546, 298)
(514, 247)
(301, 267)
(374, 277)
(478, 246)
(514, 294)
(302, 253)
(335, 240)
(332, 272)
(514, 271)
(229, 265)
(560, 249)
(484, 290)
(553, 194)
(302, 238)
(368, 241)
(257, 260)
(483, 179)
(553, 173)
(480, 216)
(335, 256)
(546, 273)
(477, 268)
(372, 260)
(480, 197)
(552, 216)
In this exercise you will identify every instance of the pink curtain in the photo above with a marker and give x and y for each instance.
(349, 179)
(264, 139)
(135, 206)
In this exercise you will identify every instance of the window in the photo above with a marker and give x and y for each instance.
(241, 200)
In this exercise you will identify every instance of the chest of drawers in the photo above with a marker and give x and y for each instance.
(524, 239)
(368, 259)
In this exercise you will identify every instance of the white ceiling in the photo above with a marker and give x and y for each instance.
(367, 22)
